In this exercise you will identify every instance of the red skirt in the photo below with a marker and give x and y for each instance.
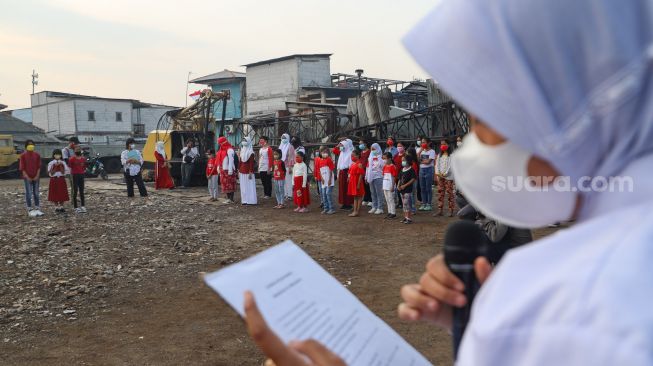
(343, 197)
(301, 195)
(228, 182)
(58, 190)
(162, 178)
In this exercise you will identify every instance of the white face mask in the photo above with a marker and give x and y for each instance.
(132, 146)
(493, 179)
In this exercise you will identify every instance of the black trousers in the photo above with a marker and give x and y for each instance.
(78, 186)
(368, 192)
(187, 173)
(266, 181)
(130, 179)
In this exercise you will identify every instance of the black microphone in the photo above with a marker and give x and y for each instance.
(464, 241)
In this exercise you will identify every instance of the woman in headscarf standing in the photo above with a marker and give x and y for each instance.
(246, 173)
(225, 161)
(344, 162)
(288, 158)
(162, 178)
(374, 178)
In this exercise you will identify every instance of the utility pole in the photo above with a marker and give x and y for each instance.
(35, 80)
(359, 72)
(187, 81)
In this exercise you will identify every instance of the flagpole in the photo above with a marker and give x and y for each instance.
(187, 82)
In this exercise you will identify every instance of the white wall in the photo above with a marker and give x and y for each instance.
(58, 118)
(314, 72)
(105, 116)
(270, 85)
(148, 117)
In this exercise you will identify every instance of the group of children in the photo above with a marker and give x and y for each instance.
(389, 177)
(69, 162)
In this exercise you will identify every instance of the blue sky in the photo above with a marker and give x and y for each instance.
(144, 49)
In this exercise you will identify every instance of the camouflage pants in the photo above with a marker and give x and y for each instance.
(446, 186)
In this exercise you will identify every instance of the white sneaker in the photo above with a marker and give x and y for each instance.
(39, 212)
(378, 212)
(31, 213)
(371, 211)
(370, 204)
(83, 209)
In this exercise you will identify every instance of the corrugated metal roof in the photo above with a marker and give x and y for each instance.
(288, 58)
(23, 131)
(223, 75)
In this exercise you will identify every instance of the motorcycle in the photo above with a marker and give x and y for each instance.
(94, 167)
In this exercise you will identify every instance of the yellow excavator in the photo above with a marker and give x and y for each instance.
(176, 127)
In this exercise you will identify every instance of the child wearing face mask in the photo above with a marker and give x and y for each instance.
(374, 179)
(326, 168)
(58, 189)
(301, 194)
(356, 187)
(401, 151)
(389, 184)
(407, 177)
(444, 179)
(77, 164)
(279, 177)
(212, 174)
(316, 174)
(365, 153)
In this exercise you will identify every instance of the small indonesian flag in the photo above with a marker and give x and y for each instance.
(195, 95)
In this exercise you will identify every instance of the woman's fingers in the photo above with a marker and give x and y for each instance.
(318, 353)
(437, 290)
(408, 313)
(415, 298)
(483, 269)
(264, 337)
(438, 269)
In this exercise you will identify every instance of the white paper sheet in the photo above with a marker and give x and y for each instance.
(300, 300)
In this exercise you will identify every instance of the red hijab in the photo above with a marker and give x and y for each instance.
(222, 151)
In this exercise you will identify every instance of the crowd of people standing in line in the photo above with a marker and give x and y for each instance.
(365, 175)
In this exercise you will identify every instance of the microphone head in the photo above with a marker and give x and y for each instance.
(463, 242)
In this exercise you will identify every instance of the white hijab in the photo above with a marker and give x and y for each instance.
(344, 159)
(246, 151)
(160, 148)
(284, 146)
(587, 110)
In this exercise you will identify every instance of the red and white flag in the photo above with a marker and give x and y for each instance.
(195, 95)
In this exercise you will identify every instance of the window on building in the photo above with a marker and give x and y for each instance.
(118, 116)
(139, 130)
(91, 115)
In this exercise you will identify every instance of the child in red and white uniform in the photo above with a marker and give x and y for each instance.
(58, 189)
(279, 177)
(77, 164)
(356, 186)
(326, 168)
(389, 184)
(301, 195)
(212, 174)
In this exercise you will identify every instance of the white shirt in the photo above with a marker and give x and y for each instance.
(300, 170)
(228, 162)
(374, 168)
(263, 156)
(388, 182)
(443, 166)
(192, 152)
(582, 296)
(327, 176)
(132, 169)
(58, 174)
(423, 154)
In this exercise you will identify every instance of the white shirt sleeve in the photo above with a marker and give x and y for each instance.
(230, 162)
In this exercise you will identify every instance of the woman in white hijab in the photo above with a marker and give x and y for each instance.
(162, 178)
(346, 147)
(559, 89)
(246, 173)
(288, 158)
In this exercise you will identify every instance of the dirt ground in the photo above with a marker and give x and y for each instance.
(119, 285)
